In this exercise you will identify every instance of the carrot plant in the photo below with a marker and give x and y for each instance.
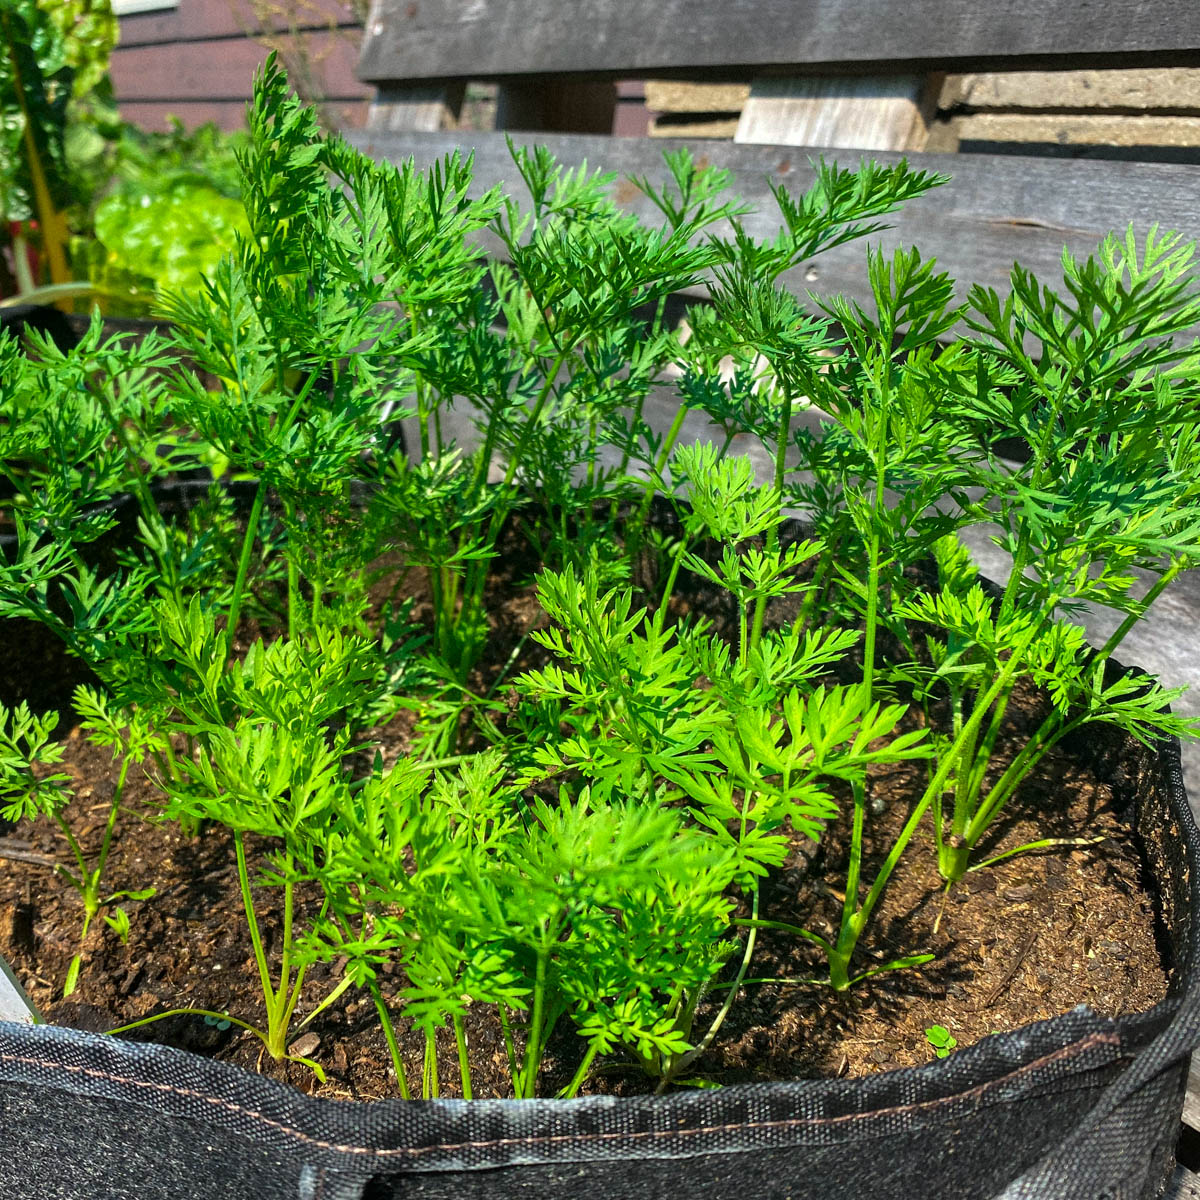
(579, 839)
(31, 786)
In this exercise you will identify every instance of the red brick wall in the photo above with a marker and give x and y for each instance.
(197, 61)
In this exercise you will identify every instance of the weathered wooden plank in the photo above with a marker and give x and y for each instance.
(1183, 1186)
(485, 38)
(193, 20)
(224, 70)
(425, 108)
(865, 112)
(1191, 1098)
(996, 209)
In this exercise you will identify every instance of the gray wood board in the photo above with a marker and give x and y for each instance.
(996, 209)
(1191, 1099)
(1182, 1186)
(480, 38)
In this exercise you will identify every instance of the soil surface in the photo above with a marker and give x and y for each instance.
(1020, 941)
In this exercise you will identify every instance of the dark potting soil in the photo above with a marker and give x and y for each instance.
(1020, 941)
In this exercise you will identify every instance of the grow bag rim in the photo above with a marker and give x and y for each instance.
(377, 1135)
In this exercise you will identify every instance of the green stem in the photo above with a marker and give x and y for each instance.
(1131, 619)
(1038, 466)
(531, 421)
(243, 569)
(660, 617)
(635, 528)
(852, 929)
(464, 1066)
(260, 957)
(974, 765)
(533, 1043)
(690, 1057)
(171, 764)
(141, 487)
(477, 572)
(1048, 734)
(289, 994)
(419, 388)
(75, 848)
(783, 927)
(389, 1035)
(284, 999)
(581, 1073)
(199, 1012)
(772, 540)
(293, 575)
(854, 869)
(111, 823)
(874, 546)
(639, 407)
(815, 589)
(430, 1087)
(510, 1047)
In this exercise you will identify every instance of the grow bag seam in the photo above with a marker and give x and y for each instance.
(1089, 1042)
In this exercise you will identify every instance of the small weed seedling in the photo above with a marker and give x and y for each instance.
(941, 1039)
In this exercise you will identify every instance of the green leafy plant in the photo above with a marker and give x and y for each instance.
(55, 56)
(92, 206)
(163, 210)
(941, 1039)
(31, 786)
(579, 836)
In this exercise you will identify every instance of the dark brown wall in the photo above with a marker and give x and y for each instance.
(197, 61)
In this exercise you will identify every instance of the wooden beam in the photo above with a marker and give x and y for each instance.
(426, 108)
(228, 114)
(996, 209)
(863, 112)
(475, 39)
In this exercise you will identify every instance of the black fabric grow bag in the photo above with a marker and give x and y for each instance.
(1079, 1106)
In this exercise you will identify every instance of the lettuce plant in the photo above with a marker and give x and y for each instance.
(580, 839)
